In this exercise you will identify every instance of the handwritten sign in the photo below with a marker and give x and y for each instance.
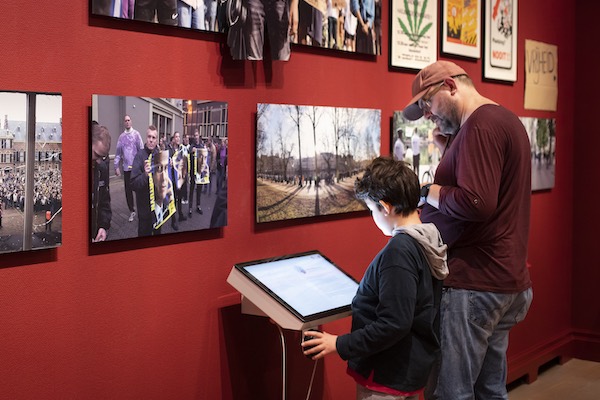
(541, 76)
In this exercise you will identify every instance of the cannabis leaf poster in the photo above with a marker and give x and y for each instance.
(413, 29)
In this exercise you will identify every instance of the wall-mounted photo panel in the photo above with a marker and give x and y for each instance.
(308, 157)
(542, 139)
(329, 24)
(193, 14)
(157, 165)
(412, 142)
(333, 24)
(30, 171)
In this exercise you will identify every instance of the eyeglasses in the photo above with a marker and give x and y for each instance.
(425, 103)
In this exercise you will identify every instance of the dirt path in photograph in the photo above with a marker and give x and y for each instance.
(280, 201)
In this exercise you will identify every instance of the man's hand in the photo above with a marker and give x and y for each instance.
(440, 140)
(117, 171)
(101, 236)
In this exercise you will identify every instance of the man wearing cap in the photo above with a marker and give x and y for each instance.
(480, 202)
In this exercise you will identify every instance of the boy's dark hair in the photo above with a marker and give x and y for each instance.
(391, 181)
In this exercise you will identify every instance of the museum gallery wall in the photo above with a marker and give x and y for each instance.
(154, 317)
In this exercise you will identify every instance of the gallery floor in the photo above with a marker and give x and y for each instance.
(574, 380)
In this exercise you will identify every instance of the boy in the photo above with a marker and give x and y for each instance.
(395, 313)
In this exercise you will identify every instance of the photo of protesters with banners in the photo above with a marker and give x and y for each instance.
(186, 127)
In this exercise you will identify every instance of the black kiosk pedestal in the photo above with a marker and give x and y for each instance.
(297, 292)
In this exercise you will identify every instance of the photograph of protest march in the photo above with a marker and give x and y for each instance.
(542, 139)
(412, 142)
(157, 166)
(30, 171)
(308, 157)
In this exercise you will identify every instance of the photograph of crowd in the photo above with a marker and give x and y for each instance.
(157, 165)
(412, 142)
(542, 139)
(308, 157)
(30, 171)
(347, 25)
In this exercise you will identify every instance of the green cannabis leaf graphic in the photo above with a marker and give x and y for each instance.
(414, 31)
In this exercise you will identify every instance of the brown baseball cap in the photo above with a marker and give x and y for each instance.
(427, 77)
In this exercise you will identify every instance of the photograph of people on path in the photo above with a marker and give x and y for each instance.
(308, 157)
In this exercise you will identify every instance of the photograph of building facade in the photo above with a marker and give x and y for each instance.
(30, 187)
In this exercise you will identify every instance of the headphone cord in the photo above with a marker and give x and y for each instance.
(312, 379)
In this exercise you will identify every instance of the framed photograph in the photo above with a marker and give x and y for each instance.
(413, 33)
(500, 48)
(308, 157)
(542, 138)
(30, 171)
(412, 142)
(332, 24)
(192, 14)
(157, 165)
(461, 27)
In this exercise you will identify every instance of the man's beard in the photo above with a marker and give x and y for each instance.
(450, 122)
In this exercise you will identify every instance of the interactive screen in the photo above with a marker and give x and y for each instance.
(307, 284)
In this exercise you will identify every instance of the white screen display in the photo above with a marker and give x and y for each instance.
(310, 284)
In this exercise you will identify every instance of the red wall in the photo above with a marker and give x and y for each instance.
(586, 264)
(155, 319)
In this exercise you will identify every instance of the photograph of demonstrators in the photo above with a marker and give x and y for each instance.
(542, 139)
(158, 165)
(192, 14)
(412, 142)
(308, 157)
(30, 171)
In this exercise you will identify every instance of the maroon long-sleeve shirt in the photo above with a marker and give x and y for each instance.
(484, 203)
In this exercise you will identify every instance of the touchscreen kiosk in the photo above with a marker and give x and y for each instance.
(297, 291)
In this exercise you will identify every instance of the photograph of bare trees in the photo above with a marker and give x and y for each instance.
(308, 157)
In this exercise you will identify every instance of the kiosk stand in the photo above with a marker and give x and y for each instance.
(297, 292)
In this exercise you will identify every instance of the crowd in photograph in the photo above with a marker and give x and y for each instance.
(47, 189)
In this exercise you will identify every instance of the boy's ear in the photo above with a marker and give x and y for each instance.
(386, 206)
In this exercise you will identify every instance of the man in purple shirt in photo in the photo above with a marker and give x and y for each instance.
(129, 143)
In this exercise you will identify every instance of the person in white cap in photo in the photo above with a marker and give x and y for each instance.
(480, 202)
